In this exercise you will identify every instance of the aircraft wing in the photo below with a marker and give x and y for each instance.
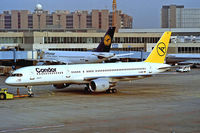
(184, 58)
(104, 56)
(119, 77)
(111, 55)
(172, 67)
(192, 61)
(121, 55)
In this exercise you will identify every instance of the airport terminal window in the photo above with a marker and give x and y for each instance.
(49, 20)
(7, 19)
(98, 39)
(89, 21)
(129, 49)
(69, 21)
(11, 40)
(188, 49)
(67, 49)
(30, 21)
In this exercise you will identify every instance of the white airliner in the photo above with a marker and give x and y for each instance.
(78, 57)
(193, 59)
(100, 54)
(96, 77)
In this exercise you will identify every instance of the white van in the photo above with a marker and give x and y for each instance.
(183, 69)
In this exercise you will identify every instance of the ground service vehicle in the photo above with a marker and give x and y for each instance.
(183, 69)
(4, 94)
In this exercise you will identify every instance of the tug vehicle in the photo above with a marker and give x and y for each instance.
(4, 94)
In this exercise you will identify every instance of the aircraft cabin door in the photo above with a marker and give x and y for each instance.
(150, 69)
(32, 77)
(68, 75)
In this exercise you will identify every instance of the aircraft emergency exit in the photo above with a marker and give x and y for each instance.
(97, 77)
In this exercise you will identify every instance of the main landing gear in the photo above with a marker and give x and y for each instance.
(30, 92)
(112, 90)
(109, 91)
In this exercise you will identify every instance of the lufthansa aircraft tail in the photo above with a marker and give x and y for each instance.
(105, 43)
(160, 50)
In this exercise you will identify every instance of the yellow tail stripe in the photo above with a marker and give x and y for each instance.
(160, 50)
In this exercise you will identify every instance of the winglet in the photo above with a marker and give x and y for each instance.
(160, 50)
(105, 43)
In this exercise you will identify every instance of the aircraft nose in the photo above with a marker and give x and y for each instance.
(8, 81)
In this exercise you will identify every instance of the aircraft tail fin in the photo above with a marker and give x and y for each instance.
(160, 50)
(105, 43)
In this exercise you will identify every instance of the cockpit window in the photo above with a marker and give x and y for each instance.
(16, 75)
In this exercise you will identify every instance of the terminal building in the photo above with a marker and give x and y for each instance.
(61, 19)
(42, 33)
(176, 16)
(183, 40)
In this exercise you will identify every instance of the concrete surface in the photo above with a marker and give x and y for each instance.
(160, 104)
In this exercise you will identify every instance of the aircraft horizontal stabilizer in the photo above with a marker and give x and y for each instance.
(172, 67)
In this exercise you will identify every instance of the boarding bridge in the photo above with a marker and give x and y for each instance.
(19, 55)
(29, 55)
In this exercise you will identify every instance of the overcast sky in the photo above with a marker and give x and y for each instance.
(145, 13)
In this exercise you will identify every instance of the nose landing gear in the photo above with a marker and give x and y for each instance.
(30, 92)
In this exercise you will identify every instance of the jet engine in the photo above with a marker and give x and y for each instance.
(99, 85)
(60, 86)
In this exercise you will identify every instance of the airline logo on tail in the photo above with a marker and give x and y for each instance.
(107, 40)
(161, 49)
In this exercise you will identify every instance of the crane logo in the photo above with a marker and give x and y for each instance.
(161, 49)
(107, 40)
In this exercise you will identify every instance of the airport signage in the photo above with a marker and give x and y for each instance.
(115, 46)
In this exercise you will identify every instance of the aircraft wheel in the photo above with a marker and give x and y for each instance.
(109, 91)
(30, 92)
(114, 90)
(2, 96)
(87, 90)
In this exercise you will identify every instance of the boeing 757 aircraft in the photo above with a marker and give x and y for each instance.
(101, 53)
(97, 77)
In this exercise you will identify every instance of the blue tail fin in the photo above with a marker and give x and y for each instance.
(106, 42)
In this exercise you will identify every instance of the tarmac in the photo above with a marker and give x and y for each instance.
(166, 103)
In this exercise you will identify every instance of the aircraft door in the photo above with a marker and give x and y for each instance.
(32, 77)
(150, 68)
(68, 75)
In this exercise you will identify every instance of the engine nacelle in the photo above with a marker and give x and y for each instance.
(99, 85)
(60, 86)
